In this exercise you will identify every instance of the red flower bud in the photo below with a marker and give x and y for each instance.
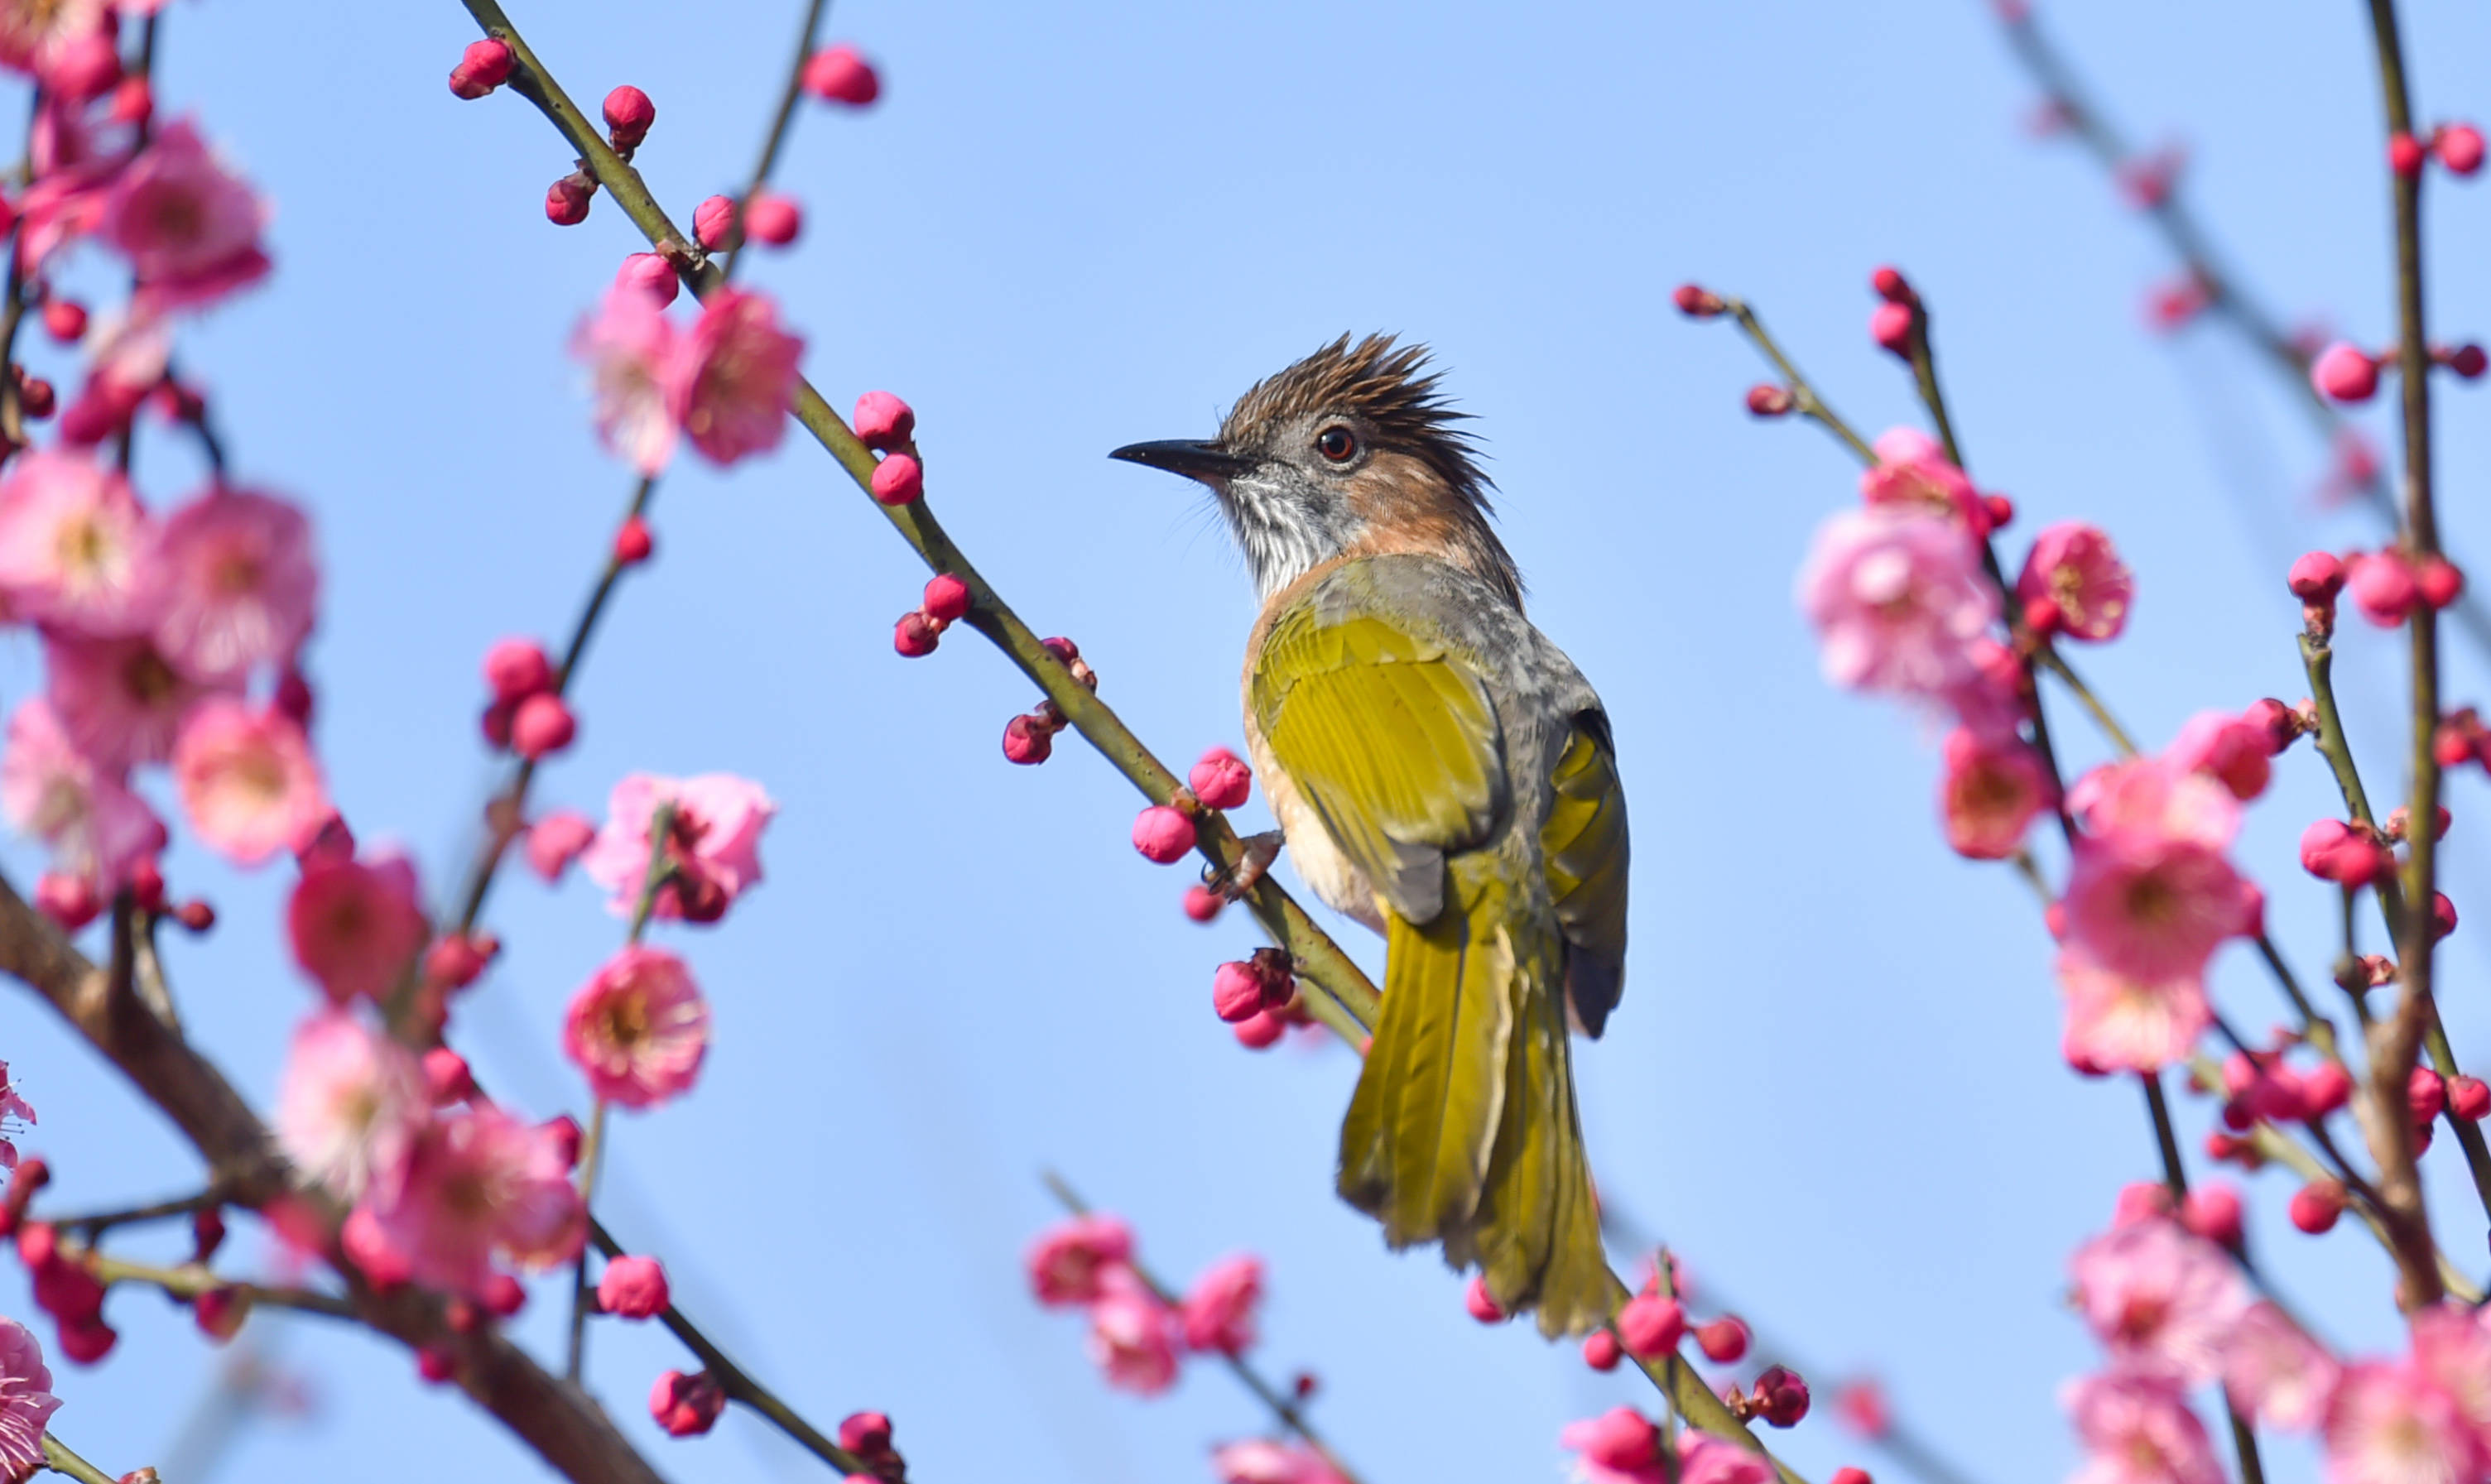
(2459, 147)
(899, 480)
(2326, 1088)
(1766, 399)
(947, 597)
(2468, 1097)
(2443, 916)
(687, 1405)
(1027, 742)
(1481, 1303)
(916, 636)
(2343, 372)
(714, 223)
(2317, 577)
(1891, 327)
(1724, 1340)
(2316, 1206)
(633, 543)
(629, 113)
(70, 901)
(542, 726)
(1697, 303)
(633, 1287)
(2212, 1210)
(445, 1077)
(1651, 1325)
(2405, 154)
(481, 68)
(865, 1431)
(1163, 835)
(1260, 1030)
(1601, 1351)
(453, 962)
(567, 200)
(883, 422)
(2439, 581)
(838, 75)
(1237, 992)
(1201, 904)
(1890, 286)
(1221, 779)
(2002, 511)
(65, 320)
(2468, 361)
(1781, 1396)
(652, 275)
(773, 219)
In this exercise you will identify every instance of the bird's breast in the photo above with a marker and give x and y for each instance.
(1327, 871)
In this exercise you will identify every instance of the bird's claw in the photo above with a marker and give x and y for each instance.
(1261, 849)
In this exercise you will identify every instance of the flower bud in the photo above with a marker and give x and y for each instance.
(436, 1364)
(865, 1431)
(2317, 577)
(1221, 779)
(2468, 361)
(2325, 1089)
(629, 113)
(1601, 1351)
(132, 100)
(916, 636)
(1766, 399)
(481, 68)
(1724, 1341)
(2439, 581)
(1781, 1396)
(2343, 372)
(1651, 1325)
(632, 1288)
(1890, 286)
(2425, 1095)
(34, 396)
(1237, 992)
(2459, 147)
(1697, 303)
(2405, 154)
(1849, 1475)
(220, 1312)
(2443, 916)
(1027, 742)
(687, 1405)
(1200, 903)
(2469, 1097)
(1258, 1031)
(2002, 510)
(2316, 1206)
(899, 480)
(567, 200)
(1163, 835)
(1891, 327)
(70, 901)
(454, 961)
(542, 726)
(652, 275)
(633, 543)
(207, 1234)
(837, 74)
(2212, 1210)
(65, 320)
(773, 219)
(714, 223)
(2332, 850)
(1481, 1303)
(947, 597)
(883, 422)
(445, 1077)
(2385, 587)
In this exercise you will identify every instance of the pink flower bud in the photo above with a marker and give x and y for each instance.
(2459, 147)
(1260, 1030)
(567, 200)
(713, 222)
(453, 962)
(481, 68)
(650, 273)
(2325, 1089)
(773, 219)
(70, 901)
(446, 1078)
(883, 422)
(1163, 835)
(2141, 1201)
(916, 636)
(2443, 916)
(947, 597)
(1481, 1303)
(517, 668)
(2002, 510)
(2469, 361)
(2212, 1210)
(1766, 399)
(1651, 1325)
(629, 113)
(65, 320)
(2385, 587)
(837, 74)
(2317, 577)
(132, 100)
(34, 396)
(207, 1234)
(2344, 372)
(2316, 1206)
(436, 1364)
(1890, 286)
(1696, 302)
(1027, 742)
(1237, 992)
(1601, 1351)
(1221, 779)
(2469, 1097)
(632, 1288)
(1781, 1396)
(633, 543)
(503, 1295)
(2405, 154)
(2332, 850)
(1724, 1340)
(687, 1405)
(1201, 904)
(865, 1431)
(220, 1312)
(542, 726)
(1850, 1473)
(2439, 581)
(2425, 1095)
(899, 480)
(1891, 327)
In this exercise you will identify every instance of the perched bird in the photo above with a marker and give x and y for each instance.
(1443, 773)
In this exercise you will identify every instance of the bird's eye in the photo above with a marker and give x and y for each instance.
(1336, 443)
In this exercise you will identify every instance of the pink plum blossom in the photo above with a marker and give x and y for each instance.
(26, 1400)
(2389, 1423)
(1132, 1339)
(127, 359)
(1993, 786)
(1264, 1461)
(121, 701)
(629, 346)
(97, 828)
(2118, 1022)
(1218, 1312)
(1071, 1261)
(349, 1106)
(2136, 1428)
(242, 584)
(355, 925)
(2274, 1373)
(1619, 1446)
(1897, 598)
(480, 1185)
(77, 552)
(714, 845)
(556, 840)
(247, 779)
(731, 380)
(1704, 1458)
(2149, 893)
(2074, 570)
(35, 33)
(188, 226)
(2228, 748)
(639, 1029)
(1913, 476)
(2160, 1297)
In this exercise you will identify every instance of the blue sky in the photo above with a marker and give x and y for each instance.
(1834, 1083)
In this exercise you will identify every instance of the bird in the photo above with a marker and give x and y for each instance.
(1443, 773)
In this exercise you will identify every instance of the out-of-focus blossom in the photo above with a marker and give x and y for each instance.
(2389, 1423)
(1218, 1312)
(247, 779)
(97, 828)
(77, 552)
(1133, 1337)
(356, 925)
(629, 346)
(242, 584)
(188, 226)
(349, 1106)
(2136, 1428)
(1619, 1446)
(1993, 786)
(34, 34)
(633, 1287)
(638, 1027)
(556, 840)
(731, 378)
(2274, 1373)
(1912, 475)
(26, 1401)
(1897, 598)
(1264, 1461)
(1071, 1261)
(714, 843)
(2076, 573)
(687, 1405)
(2158, 1297)
(481, 1185)
(126, 360)
(1704, 1458)
(121, 701)
(2117, 1021)
(2232, 749)
(2149, 894)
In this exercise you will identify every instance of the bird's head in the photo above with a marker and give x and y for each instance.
(1352, 451)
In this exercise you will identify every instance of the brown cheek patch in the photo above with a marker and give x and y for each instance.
(1404, 507)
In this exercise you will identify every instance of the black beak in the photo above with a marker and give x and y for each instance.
(1205, 461)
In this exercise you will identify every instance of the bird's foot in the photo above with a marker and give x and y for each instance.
(1261, 849)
